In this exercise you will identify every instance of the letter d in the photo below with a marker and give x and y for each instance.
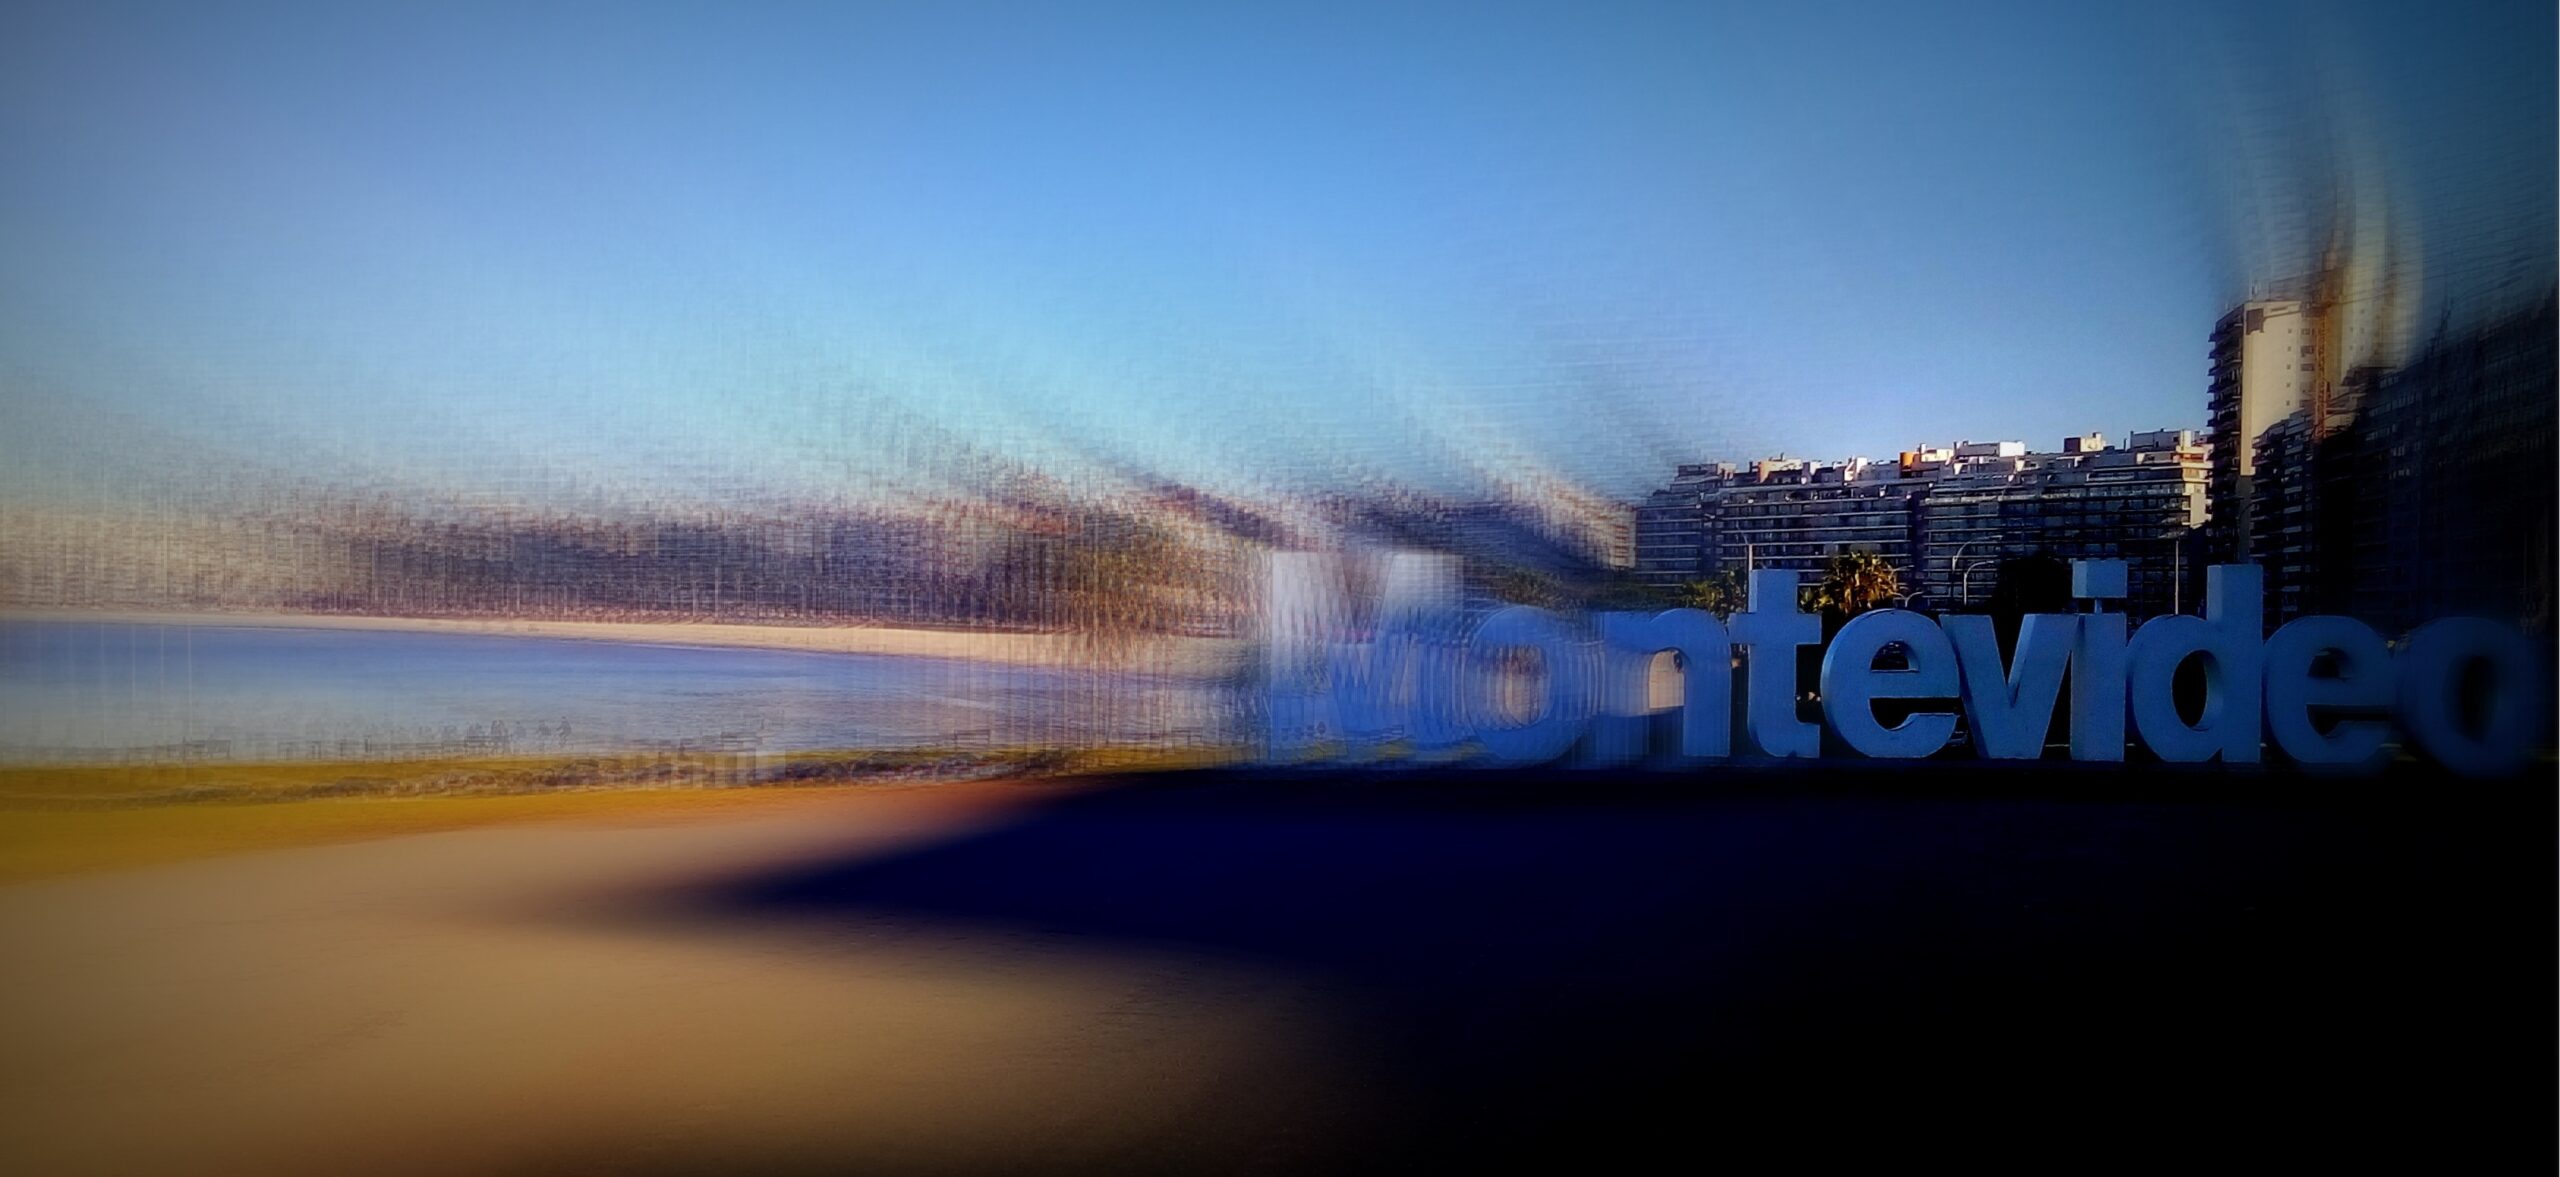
(2230, 639)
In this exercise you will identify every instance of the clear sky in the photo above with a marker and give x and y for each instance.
(708, 250)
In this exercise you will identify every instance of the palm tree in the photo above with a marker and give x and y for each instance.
(1855, 583)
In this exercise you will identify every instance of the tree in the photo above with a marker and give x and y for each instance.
(1116, 576)
(1721, 594)
(1521, 586)
(1855, 583)
(1621, 591)
(2035, 583)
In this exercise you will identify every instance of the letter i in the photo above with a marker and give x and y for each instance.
(2097, 688)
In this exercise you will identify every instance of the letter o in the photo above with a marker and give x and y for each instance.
(2431, 665)
(1573, 677)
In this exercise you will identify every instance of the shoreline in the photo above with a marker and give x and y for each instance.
(1186, 656)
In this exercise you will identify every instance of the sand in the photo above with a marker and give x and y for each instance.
(2029, 968)
(507, 1000)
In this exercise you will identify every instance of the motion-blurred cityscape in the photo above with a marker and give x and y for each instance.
(1134, 587)
(2405, 483)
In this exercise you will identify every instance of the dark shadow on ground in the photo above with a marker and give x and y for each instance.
(1974, 966)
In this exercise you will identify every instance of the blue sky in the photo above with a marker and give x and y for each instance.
(706, 252)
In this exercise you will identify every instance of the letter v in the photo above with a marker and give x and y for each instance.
(2008, 712)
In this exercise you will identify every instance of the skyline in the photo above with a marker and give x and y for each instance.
(686, 256)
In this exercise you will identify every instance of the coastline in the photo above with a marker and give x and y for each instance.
(1189, 656)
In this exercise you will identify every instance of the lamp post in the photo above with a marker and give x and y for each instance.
(1965, 585)
(1965, 575)
(2178, 570)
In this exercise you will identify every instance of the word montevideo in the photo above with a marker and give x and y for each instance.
(2465, 692)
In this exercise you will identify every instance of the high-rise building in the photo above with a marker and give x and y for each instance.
(1943, 517)
(2139, 502)
(1677, 530)
(1777, 513)
(1802, 515)
(2446, 482)
(2266, 356)
(2301, 511)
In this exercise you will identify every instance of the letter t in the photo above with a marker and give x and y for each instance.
(1771, 630)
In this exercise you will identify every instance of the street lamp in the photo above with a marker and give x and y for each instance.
(2178, 570)
(1965, 585)
(1964, 575)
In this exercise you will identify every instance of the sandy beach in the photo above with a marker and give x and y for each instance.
(1200, 656)
(523, 1000)
(1235, 973)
